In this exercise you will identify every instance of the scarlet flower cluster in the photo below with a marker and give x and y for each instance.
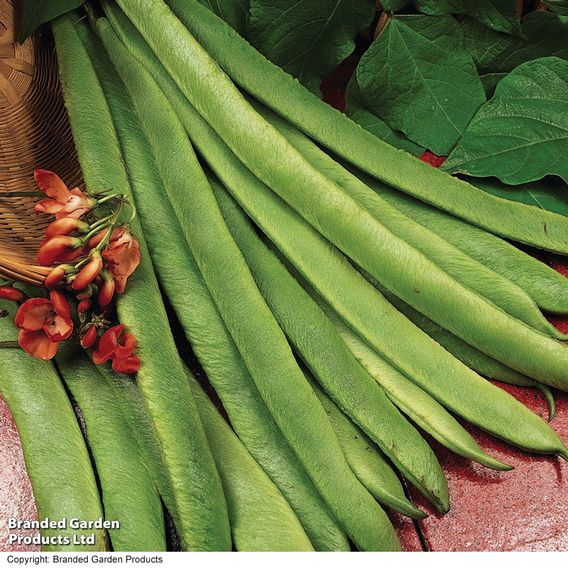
(92, 258)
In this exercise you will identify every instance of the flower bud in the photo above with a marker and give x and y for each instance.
(89, 338)
(58, 249)
(88, 273)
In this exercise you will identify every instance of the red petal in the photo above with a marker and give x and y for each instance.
(63, 226)
(52, 185)
(107, 344)
(10, 293)
(33, 313)
(123, 257)
(60, 304)
(57, 249)
(88, 273)
(125, 347)
(48, 206)
(126, 366)
(106, 292)
(58, 328)
(37, 344)
(53, 279)
(89, 338)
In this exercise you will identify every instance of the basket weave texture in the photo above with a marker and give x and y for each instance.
(34, 133)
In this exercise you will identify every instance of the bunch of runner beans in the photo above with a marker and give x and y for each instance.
(337, 292)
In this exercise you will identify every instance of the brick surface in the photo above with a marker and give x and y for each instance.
(524, 509)
(16, 497)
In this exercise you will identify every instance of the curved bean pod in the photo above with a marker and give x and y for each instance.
(285, 95)
(314, 338)
(546, 286)
(199, 509)
(472, 357)
(56, 457)
(367, 461)
(127, 489)
(205, 329)
(261, 519)
(419, 406)
(260, 341)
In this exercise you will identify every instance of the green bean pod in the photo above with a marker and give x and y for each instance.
(204, 327)
(260, 341)
(199, 507)
(57, 460)
(340, 374)
(127, 393)
(367, 461)
(401, 268)
(470, 356)
(286, 96)
(261, 519)
(546, 286)
(128, 492)
(366, 311)
(418, 405)
(471, 273)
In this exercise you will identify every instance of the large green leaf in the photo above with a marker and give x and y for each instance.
(418, 77)
(356, 110)
(306, 38)
(521, 134)
(499, 15)
(234, 12)
(558, 6)
(545, 35)
(36, 12)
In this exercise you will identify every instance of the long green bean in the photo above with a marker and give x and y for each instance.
(128, 492)
(57, 460)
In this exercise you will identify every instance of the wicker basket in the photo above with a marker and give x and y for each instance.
(34, 133)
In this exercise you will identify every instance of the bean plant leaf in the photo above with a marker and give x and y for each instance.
(234, 12)
(34, 13)
(356, 110)
(545, 35)
(549, 193)
(521, 134)
(499, 15)
(306, 38)
(490, 81)
(558, 6)
(418, 77)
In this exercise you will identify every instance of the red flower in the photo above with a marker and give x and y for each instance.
(61, 201)
(122, 256)
(11, 293)
(44, 324)
(119, 350)
(59, 249)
